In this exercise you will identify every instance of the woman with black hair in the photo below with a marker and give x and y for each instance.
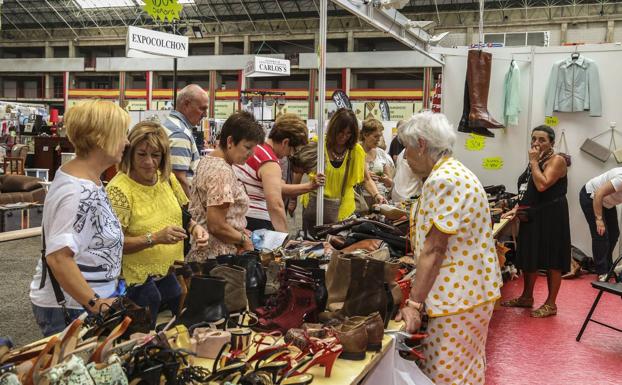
(544, 234)
(217, 193)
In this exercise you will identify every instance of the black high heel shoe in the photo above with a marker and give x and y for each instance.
(222, 369)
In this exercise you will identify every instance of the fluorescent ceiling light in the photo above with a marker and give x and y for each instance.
(93, 4)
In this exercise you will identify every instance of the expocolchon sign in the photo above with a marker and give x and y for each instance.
(146, 41)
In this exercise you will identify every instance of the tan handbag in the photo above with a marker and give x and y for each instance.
(617, 152)
(597, 150)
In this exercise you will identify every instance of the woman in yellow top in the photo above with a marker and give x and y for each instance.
(148, 200)
(343, 148)
(458, 277)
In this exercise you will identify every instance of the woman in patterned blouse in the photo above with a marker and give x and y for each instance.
(217, 199)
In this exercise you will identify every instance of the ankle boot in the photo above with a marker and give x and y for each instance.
(205, 301)
(366, 293)
(337, 281)
(148, 296)
(300, 307)
(170, 292)
(321, 294)
(374, 327)
(255, 277)
(235, 287)
(478, 78)
(353, 338)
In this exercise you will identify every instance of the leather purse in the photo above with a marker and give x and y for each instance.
(596, 149)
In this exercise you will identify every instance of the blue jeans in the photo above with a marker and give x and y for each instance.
(51, 320)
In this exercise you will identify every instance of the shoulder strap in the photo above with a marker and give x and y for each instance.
(58, 292)
(345, 176)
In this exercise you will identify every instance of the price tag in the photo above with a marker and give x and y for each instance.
(475, 142)
(493, 163)
(551, 121)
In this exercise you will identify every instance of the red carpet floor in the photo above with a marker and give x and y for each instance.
(524, 350)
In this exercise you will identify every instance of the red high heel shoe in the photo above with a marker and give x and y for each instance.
(325, 357)
(274, 346)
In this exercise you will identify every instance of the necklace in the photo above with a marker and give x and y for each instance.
(338, 156)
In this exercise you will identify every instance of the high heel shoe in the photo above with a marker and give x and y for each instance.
(274, 346)
(222, 368)
(325, 357)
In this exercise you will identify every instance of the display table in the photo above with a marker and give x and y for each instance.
(345, 372)
(497, 228)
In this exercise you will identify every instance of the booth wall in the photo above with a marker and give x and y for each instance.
(512, 143)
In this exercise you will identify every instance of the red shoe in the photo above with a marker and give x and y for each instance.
(300, 306)
(325, 357)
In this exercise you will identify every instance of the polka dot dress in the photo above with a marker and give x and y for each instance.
(453, 200)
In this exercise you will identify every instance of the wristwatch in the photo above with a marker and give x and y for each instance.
(243, 239)
(149, 237)
(93, 301)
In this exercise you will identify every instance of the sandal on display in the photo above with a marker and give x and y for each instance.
(223, 369)
(325, 357)
(518, 302)
(271, 339)
(545, 310)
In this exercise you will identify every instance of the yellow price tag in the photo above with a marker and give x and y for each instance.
(493, 163)
(551, 121)
(475, 142)
(163, 9)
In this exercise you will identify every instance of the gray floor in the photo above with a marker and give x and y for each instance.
(17, 264)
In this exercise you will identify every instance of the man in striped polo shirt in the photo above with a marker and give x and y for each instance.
(191, 107)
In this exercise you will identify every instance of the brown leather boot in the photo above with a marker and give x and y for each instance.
(235, 286)
(353, 338)
(366, 292)
(337, 281)
(478, 78)
(374, 327)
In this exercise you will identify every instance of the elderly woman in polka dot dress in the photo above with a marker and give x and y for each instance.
(458, 278)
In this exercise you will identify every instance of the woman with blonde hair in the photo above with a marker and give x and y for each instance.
(149, 202)
(82, 238)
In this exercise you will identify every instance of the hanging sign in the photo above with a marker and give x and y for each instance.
(266, 66)
(341, 100)
(551, 121)
(385, 112)
(143, 42)
(163, 9)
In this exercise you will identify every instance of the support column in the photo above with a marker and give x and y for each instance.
(427, 80)
(66, 90)
(122, 89)
(149, 87)
(347, 72)
(610, 30)
(212, 93)
(48, 84)
(350, 46)
(563, 33)
(469, 36)
(71, 49)
(247, 45)
(241, 86)
(217, 45)
(312, 93)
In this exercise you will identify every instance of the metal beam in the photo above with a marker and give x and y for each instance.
(13, 24)
(249, 15)
(393, 23)
(37, 21)
(283, 13)
(62, 18)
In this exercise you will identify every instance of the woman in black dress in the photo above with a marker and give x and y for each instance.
(544, 234)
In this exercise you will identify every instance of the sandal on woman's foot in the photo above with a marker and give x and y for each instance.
(545, 310)
(518, 302)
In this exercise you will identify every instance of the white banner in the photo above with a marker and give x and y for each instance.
(266, 66)
(147, 42)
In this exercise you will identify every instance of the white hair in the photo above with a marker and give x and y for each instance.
(435, 129)
(190, 92)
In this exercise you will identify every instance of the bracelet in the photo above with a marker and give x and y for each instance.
(243, 239)
(149, 237)
(93, 301)
(191, 228)
(419, 306)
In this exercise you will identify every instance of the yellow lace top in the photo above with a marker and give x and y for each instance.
(142, 209)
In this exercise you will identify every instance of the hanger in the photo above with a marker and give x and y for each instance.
(575, 55)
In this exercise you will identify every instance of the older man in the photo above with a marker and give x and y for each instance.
(191, 107)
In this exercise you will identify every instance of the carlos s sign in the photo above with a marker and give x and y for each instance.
(266, 66)
(143, 42)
